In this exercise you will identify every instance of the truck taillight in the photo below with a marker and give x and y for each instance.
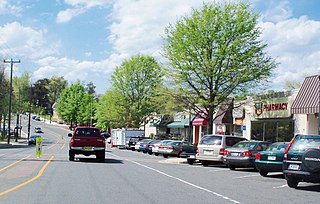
(71, 141)
(246, 154)
(285, 156)
(258, 156)
(221, 152)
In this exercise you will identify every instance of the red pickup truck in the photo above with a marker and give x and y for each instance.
(87, 141)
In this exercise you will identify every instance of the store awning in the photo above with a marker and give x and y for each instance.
(308, 98)
(200, 120)
(179, 124)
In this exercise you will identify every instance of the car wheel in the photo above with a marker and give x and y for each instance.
(292, 182)
(190, 161)
(310, 159)
(263, 173)
(205, 163)
(232, 167)
(101, 156)
(165, 156)
(156, 154)
(150, 153)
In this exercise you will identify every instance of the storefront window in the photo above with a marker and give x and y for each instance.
(272, 131)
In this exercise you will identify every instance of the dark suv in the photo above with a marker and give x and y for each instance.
(302, 160)
(133, 140)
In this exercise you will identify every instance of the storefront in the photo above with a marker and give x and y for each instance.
(222, 123)
(306, 107)
(272, 120)
(180, 127)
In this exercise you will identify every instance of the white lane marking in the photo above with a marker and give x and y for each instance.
(183, 181)
(240, 177)
(216, 170)
(283, 186)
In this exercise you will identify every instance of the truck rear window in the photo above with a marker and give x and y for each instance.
(303, 142)
(87, 131)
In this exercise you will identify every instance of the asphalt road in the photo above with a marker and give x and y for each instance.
(131, 177)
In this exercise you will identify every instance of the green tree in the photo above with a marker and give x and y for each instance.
(70, 103)
(55, 86)
(216, 53)
(21, 92)
(137, 80)
(109, 111)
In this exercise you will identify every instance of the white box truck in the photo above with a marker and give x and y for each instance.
(118, 138)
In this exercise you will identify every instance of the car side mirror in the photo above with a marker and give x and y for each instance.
(69, 135)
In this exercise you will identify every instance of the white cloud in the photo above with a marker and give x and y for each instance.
(138, 26)
(18, 40)
(296, 45)
(78, 7)
(6, 8)
(73, 70)
(278, 13)
(68, 14)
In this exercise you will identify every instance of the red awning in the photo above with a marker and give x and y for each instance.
(200, 120)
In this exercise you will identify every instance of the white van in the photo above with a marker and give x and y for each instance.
(211, 147)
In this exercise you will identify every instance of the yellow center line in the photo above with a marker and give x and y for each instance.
(64, 143)
(29, 181)
(10, 165)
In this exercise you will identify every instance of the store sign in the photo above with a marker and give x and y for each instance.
(272, 108)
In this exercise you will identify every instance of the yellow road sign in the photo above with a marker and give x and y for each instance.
(39, 146)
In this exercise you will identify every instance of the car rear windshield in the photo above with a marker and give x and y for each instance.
(211, 140)
(278, 147)
(303, 142)
(245, 145)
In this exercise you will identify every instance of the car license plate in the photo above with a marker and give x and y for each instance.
(192, 156)
(294, 166)
(235, 154)
(87, 148)
(272, 158)
(207, 152)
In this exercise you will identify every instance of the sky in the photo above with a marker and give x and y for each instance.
(87, 39)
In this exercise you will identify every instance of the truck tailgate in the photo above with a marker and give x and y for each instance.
(89, 141)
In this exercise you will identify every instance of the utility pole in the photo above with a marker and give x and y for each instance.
(10, 93)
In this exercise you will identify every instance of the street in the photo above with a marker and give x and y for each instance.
(131, 177)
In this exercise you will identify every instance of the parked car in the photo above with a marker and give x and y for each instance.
(271, 160)
(141, 145)
(243, 154)
(37, 130)
(149, 145)
(302, 160)
(155, 146)
(176, 148)
(211, 148)
(132, 142)
(32, 139)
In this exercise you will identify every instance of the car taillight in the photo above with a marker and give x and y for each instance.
(226, 152)
(258, 156)
(246, 153)
(285, 156)
(221, 152)
(197, 150)
(170, 147)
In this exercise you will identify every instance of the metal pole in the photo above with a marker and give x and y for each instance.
(10, 95)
